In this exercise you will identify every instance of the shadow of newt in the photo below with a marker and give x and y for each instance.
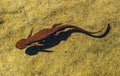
(54, 40)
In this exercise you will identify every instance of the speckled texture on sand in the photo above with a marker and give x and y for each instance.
(79, 55)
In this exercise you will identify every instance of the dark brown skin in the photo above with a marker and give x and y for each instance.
(56, 29)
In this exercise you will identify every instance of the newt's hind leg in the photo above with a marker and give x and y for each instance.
(57, 33)
(56, 24)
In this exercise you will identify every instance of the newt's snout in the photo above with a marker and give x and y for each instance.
(21, 44)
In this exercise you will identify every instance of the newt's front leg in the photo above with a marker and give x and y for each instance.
(30, 33)
(37, 44)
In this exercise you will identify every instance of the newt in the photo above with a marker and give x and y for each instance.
(42, 34)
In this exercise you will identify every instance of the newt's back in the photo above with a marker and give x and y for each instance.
(47, 32)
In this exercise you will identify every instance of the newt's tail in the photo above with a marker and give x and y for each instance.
(82, 30)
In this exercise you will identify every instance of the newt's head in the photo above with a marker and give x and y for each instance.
(21, 44)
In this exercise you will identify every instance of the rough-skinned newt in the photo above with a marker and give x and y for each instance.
(42, 34)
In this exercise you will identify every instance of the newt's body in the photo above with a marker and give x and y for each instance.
(21, 44)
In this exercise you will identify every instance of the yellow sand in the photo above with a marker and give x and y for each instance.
(79, 55)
